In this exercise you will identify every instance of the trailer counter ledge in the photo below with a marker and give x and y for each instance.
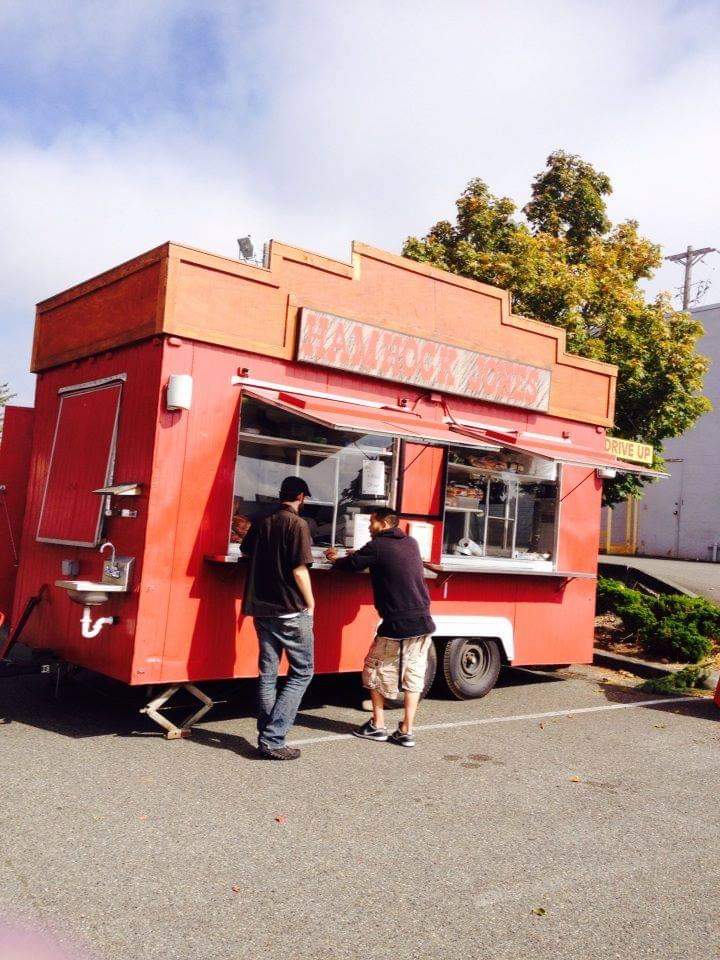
(175, 392)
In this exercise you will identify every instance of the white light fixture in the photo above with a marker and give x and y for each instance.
(606, 473)
(179, 391)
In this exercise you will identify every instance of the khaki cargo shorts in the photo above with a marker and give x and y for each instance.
(382, 665)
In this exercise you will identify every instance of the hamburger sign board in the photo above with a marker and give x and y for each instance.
(351, 345)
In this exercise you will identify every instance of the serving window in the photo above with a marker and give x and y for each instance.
(349, 474)
(500, 504)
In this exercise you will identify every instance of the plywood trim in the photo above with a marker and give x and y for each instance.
(224, 339)
(309, 259)
(507, 317)
(579, 417)
(104, 279)
(164, 294)
(234, 268)
(427, 270)
(109, 343)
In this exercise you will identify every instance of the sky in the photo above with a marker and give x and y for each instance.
(319, 122)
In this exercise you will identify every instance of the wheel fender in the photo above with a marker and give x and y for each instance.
(462, 625)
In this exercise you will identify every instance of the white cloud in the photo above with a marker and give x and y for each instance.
(333, 121)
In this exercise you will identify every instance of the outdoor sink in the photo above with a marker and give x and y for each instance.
(89, 592)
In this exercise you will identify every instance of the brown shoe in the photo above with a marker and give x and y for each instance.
(279, 753)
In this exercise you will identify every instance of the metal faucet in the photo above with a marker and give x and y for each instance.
(113, 569)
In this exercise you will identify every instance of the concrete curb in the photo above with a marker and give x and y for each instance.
(643, 668)
(647, 668)
(631, 576)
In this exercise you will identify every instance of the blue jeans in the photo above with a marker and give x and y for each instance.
(277, 711)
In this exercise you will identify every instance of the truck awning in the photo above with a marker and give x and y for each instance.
(341, 415)
(563, 451)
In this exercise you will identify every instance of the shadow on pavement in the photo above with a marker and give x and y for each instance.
(88, 705)
(699, 707)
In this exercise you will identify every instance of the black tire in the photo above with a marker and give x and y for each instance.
(430, 670)
(471, 666)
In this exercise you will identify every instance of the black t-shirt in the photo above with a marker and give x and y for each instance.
(276, 545)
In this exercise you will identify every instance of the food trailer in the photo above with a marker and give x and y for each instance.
(175, 392)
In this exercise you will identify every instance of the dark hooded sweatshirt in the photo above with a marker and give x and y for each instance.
(399, 591)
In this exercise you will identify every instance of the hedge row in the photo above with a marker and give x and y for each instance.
(673, 625)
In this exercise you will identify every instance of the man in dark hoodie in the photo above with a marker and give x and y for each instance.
(396, 663)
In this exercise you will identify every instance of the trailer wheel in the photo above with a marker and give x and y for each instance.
(471, 666)
(430, 670)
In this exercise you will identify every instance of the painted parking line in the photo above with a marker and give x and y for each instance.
(481, 721)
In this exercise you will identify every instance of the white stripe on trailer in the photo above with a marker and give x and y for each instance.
(449, 625)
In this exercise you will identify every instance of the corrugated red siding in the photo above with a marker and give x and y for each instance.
(56, 622)
(183, 619)
(207, 636)
(15, 450)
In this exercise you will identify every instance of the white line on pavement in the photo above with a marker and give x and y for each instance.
(522, 716)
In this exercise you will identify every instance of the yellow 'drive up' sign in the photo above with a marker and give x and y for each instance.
(631, 450)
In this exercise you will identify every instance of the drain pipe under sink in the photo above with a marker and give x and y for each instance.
(90, 629)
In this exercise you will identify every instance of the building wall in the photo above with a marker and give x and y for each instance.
(680, 516)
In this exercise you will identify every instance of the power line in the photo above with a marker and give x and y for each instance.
(689, 258)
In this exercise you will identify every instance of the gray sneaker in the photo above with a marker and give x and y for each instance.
(402, 739)
(368, 732)
(279, 753)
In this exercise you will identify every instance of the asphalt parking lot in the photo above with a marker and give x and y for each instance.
(576, 799)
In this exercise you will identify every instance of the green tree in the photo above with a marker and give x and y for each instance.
(5, 395)
(568, 265)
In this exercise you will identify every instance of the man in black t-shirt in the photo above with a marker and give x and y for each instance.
(397, 661)
(279, 598)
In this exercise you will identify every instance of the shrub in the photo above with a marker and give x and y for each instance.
(669, 625)
(637, 616)
(677, 640)
(696, 610)
(683, 680)
(611, 593)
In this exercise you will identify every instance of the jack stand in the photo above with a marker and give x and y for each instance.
(152, 710)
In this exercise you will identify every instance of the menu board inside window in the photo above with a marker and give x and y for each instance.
(500, 504)
(349, 474)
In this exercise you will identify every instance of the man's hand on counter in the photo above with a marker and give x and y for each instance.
(442, 576)
(332, 555)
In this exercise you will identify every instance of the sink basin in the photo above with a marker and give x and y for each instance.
(89, 592)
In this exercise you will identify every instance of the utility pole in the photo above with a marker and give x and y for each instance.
(689, 258)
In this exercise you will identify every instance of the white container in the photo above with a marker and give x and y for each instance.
(423, 533)
(361, 530)
(179, 391)
(373, 478)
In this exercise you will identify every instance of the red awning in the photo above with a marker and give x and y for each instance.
(339, 415)
(560, 450)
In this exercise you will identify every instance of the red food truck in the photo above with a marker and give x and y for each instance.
(174, 393)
